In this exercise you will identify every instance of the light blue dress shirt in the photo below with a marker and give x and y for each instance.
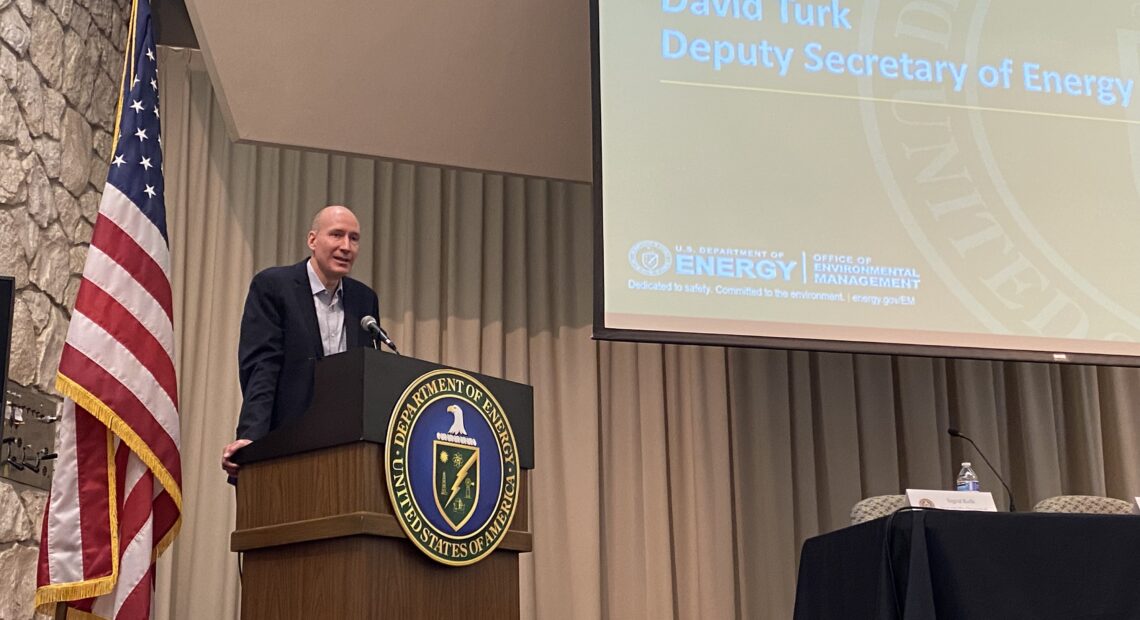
(330, 313)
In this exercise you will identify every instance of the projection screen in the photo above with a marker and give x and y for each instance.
(935, 177)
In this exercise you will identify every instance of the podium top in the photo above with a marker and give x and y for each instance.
(354, 394)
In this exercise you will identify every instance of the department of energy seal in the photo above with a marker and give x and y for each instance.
(650, 258)
(451, 463)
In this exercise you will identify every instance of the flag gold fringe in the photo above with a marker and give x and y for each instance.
(128, 61)
(69, 388)
(47, 596)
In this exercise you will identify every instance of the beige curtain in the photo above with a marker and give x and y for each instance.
(670, 481)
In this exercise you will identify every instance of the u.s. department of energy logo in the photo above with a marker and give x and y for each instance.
(650, 258)
(451, 464)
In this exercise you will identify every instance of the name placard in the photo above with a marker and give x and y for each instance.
(951, 500)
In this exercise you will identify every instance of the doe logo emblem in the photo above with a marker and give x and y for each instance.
(451, 463)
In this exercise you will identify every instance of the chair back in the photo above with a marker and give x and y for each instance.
(875, 507)
(1084, 504)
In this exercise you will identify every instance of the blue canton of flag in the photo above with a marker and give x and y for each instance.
(136, 169)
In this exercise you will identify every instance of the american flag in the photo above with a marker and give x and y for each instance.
(116, 497)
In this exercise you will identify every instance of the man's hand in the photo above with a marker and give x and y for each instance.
(228, 465)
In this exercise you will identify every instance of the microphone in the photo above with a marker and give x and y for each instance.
(372, 326)
(953, 432)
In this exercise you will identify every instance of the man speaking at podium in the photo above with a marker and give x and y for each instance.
(293, 316)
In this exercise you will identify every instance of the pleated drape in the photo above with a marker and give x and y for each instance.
(671, 481)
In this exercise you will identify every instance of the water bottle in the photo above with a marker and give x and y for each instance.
(968, 479)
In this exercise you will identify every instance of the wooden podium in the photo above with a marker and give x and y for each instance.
(316, 525)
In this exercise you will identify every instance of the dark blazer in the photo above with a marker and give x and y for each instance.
(280, 343)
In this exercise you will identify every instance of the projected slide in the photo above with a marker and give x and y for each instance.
(922, 173)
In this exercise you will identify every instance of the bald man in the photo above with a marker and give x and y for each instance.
(293, 316)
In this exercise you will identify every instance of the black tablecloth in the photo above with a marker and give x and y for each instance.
(974, 565)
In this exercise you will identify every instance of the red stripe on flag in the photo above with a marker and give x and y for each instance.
(122, 456)
(126, 405)
(137, 603)
(135, 519)
(165, 515)
(136, 510)
(43, 575)
(106, 312)
(124, 250)
(94, 504)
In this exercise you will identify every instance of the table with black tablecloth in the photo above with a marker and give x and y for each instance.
(919, 564)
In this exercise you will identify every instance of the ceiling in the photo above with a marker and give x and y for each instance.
(501, 86)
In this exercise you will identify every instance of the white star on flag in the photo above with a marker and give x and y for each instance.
(141, 133)
(118, 161)
(150, 54)
(149, 191)
(145, 163)
(137, 106)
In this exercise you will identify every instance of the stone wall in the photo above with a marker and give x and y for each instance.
(60, 61)
(21, 514)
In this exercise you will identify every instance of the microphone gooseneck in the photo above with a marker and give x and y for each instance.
(372, 326)
(953, 432)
